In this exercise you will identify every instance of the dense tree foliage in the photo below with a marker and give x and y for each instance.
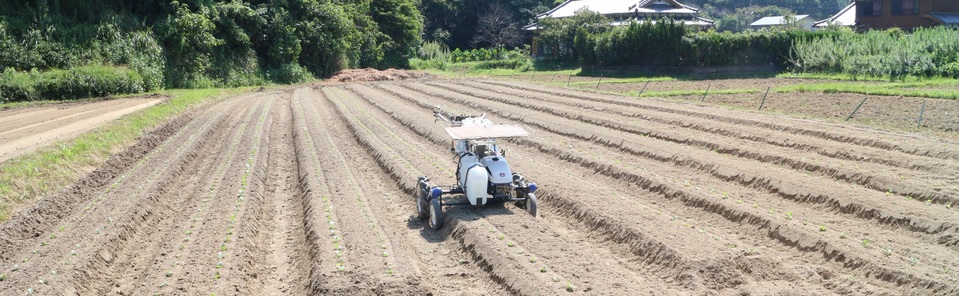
(199, 43)
(455, 23)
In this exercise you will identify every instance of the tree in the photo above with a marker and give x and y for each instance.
(401, 25)
(497, 28)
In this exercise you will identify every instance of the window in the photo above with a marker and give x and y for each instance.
(905, 7)
(869, 8)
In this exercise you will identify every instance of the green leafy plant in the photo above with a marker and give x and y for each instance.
(789, 215)
(865, 242)
(822, 228)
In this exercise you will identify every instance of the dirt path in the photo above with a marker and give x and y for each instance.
(308, 191)
(22, 131)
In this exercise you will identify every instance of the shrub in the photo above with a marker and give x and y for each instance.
(75, 83)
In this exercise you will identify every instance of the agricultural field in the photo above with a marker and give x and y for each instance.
(309, 190)
(24, 129)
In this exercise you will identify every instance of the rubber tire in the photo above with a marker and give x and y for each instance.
(422, 208)
(436, 214)
(531, 204)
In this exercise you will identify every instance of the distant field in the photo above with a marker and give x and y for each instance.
(22, 130)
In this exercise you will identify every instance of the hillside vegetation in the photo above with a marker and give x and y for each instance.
(152, 44)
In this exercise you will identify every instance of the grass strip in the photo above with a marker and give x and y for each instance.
(52, 168)
(887, 89)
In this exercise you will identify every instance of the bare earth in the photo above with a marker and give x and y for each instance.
(309, 191)
(24, 130)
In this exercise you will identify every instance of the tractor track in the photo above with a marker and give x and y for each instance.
(308, 190)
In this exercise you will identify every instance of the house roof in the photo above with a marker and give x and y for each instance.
(945, 18)
(845, 17)
(775, 20)
(613, 7)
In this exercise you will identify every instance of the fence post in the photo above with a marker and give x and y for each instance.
(857, 108)
(706, 93)
(511, 74)
(644, 89)
(554, 78)
(569, 79)
(764, 99)
(921, 112)
(532, 77)
(490, 72)
(601, 74)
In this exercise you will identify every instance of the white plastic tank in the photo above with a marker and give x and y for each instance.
(475, 185)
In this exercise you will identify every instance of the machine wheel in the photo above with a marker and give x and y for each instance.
(436, 214)
(531, 204)
(422, 207)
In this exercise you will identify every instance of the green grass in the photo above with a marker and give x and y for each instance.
(48, 169)
(906, 89)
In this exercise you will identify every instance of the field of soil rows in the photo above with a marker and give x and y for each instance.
(310, 191)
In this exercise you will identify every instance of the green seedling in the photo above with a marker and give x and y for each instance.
(949, 205)
(914, 260)
(532, 259)
(887, 251)
(543, 269)
(73, 252)
(216, 275)
(842, 235)
(219, 265)
(3, 276)
(385, 254)
(908, 197)
(509, 244)
(169, 274)
(731, 245)
(822, 228)
(865, 242)
(42, 281)
(928, 201)
(789, 215)
(389, 272)
(569, 287)
(739, 201)
(501, 237)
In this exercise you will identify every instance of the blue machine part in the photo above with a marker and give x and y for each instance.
(532, 187)
(436, 192)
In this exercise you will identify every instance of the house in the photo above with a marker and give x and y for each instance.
(844, 18)
(906, 14)
(803, 21)
(625, 12)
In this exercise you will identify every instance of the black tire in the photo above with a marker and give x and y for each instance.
(422, 206)
(531, 204)
(436, 214)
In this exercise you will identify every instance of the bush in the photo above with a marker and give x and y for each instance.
(75, 83)
(290, 73)
(925, 52)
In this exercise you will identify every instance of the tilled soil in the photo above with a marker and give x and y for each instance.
(25, 129)
(310, 192)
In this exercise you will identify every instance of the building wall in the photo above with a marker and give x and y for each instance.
(887, 20)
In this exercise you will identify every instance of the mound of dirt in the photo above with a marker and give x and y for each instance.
(370, 74)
